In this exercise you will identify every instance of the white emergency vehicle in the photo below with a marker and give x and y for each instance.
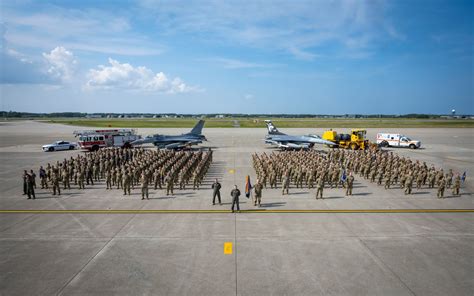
(94, 139)
(396, 140)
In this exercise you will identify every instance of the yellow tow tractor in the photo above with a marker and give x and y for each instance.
(355, 140)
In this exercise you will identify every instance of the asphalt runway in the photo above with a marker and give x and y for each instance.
(93, 242)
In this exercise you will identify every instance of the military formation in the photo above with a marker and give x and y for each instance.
(337, 168)
(302, 169)
(125, 170)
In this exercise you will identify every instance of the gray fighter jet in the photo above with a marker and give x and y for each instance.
(194, 137)
(285, 141)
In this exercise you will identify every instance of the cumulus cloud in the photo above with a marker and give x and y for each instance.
(61, 64)
(20, 68)
(126, 76)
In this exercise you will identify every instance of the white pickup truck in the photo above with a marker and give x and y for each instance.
(396, 140)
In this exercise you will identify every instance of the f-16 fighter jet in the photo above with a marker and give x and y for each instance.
(194, 137)
(285, 141)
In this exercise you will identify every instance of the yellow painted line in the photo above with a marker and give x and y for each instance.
(325, 211)
(228, 248)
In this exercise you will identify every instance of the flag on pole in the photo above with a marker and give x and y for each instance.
(344, 176)
(248, 186)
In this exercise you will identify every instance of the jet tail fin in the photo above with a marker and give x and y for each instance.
(272, 130)
(197, 129)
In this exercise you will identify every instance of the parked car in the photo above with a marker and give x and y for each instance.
(60, 145)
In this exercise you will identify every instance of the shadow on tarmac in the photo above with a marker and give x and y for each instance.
(272, 204)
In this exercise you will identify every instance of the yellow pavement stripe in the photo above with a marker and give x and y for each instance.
(323, 211)
(228, 248)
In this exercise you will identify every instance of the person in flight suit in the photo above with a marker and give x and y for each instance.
(216, 191)
(235, 193)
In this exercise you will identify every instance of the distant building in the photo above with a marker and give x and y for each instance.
(220, 116)
(93, 116)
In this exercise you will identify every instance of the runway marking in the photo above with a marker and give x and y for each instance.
(228, 248)
(259, 211)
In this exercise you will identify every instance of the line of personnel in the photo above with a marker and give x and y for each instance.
(123, 169)
(338, 167)
(309, 169)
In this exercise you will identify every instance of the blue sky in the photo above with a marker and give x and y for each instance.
(316, 57)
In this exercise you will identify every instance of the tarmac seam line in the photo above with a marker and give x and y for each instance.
(374, 257)
(377, 258)
(93, 257)
(257, 211)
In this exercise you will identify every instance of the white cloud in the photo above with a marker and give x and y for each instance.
(237, 64)
(302, 54)
(18, 55)
(248, 97)
(61, 64)
(126, 76)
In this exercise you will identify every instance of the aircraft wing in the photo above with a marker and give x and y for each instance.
(146, 140)
(288, 145)
(322, 141)
(177, 145)
(298, 146)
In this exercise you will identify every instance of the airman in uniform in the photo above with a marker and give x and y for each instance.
(258, 187)
(25, 182)
(55, 183)
(216, 191)
(108, 179)
(144, 182)
(66, 179)
(126, 183)
(350, 184)
(319, 187)
(449, 178)
(285, 184)
(408, 184)
(419, 180)
(235, 193)
(157, 179)
(43, 178)
(388, 180)
(169, 184)
(441, 187)
(456, 185)
(33, 176)
(30, 191)
(119, 177)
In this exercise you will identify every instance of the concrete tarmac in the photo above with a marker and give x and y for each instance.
(272, 253)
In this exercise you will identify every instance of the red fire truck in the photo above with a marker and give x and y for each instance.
(94, 139)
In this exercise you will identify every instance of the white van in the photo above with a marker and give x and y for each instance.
(396, 140)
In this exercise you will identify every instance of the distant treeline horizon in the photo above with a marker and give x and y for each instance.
(15, 114)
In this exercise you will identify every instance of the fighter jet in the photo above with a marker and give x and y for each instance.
(194, 137)
(285, 141)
